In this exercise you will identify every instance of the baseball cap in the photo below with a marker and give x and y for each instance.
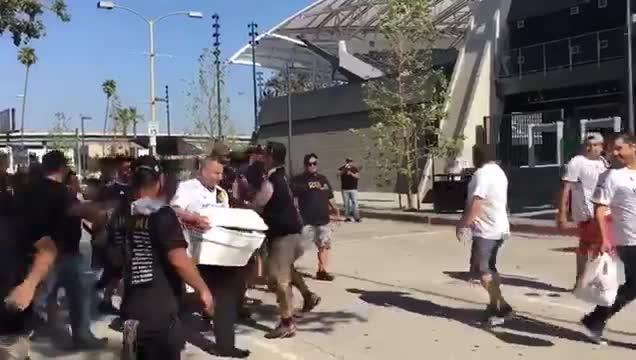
(594, 138)
(349, 159)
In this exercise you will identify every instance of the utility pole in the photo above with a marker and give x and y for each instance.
(289, 120)
(260, 82)
(217, 63)
(168, 111)
(253, 42)
(630, 72)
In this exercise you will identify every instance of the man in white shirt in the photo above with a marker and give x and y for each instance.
(486, 217)
(617, 193)
(225, 282)
(578, 183)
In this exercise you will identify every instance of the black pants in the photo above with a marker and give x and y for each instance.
(226, 285)
(160, 341)
(626, 293)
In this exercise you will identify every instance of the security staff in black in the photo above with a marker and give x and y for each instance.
(152, 250)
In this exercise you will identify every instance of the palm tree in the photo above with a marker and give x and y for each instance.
(109, 87)
(27, 57)
(125, 117)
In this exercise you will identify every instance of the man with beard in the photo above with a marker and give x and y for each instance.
(617, 192)
(148, 242)
(225, 282)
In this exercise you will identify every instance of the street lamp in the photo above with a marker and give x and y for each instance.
(82, 158)
(153, 127)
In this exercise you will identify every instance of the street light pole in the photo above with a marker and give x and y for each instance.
(253, 42)
(260, 83)
(82, 161)
(217, 63)
(153, 126)
(630, 75)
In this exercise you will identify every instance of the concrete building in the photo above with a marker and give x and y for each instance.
(528, 77)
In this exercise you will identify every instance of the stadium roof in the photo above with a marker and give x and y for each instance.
(325, 22)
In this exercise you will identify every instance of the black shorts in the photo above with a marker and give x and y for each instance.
(483, 255)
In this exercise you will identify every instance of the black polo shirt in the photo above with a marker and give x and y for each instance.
(313, 192)
(349, 182)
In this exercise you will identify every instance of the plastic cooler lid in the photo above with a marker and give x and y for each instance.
(244, 219)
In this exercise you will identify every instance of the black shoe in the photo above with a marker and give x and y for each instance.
(324, 276)
(348, 220)
(282, 331)
(89, 343)
(358, 220)
(491, 317)
(506, 312)
(233, 353)
(593, 330)
(310, 303)
(117, 324)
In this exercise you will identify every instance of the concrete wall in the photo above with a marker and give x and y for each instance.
(331, 139)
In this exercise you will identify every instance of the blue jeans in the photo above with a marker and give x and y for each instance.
(70, 273)
(350, 200)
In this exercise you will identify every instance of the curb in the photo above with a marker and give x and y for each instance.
(445, 221)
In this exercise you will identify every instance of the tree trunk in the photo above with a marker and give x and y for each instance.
(105, 125)
(24, 98)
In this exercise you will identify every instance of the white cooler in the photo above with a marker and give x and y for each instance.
(233, 238)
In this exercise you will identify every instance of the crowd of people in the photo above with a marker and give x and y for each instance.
(598, 188)
(138, 217)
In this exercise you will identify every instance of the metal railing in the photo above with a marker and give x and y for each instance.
(568, 53)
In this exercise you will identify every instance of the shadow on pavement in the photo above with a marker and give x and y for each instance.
(317, 321)
(472, 317)
(510, 280)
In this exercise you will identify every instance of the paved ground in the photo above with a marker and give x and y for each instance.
(401, 294)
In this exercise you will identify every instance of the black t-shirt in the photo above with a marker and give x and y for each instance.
(44, 207)
(280, 213)
(152, 287)
(313, 192)
(349, 182)
(16, 253)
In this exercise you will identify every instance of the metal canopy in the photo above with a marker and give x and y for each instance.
(326, 22)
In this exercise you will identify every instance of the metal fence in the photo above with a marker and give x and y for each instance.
(510, 135)
(567, 53)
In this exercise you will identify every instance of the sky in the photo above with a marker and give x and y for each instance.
(76, 57)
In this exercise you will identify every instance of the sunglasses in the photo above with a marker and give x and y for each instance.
(312, 163)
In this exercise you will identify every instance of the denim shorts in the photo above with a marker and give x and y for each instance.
(483, 255)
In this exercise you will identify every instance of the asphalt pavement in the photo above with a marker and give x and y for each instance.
(402, 292)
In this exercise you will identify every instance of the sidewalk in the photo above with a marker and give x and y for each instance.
(386, 206)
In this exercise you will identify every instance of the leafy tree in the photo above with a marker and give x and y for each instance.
(23, 18)
(408, 105)
(109, 87)
(27, 57)
(60, 137)
(202, 107)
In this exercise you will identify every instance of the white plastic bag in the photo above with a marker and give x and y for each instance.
(599, 283)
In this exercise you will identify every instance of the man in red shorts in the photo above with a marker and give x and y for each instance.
(578, 184)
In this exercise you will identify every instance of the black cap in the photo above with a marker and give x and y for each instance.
(147, 163)
(349, 160)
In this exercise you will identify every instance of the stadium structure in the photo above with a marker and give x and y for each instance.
(526, 77)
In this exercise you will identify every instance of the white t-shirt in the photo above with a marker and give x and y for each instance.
(193, 196)
(583, 173)
(618, 191)
(490, 183)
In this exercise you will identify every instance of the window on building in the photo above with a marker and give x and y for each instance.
(575, 49)
(574, 10)
(521, 24)
(604, 44)
(602, 4)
